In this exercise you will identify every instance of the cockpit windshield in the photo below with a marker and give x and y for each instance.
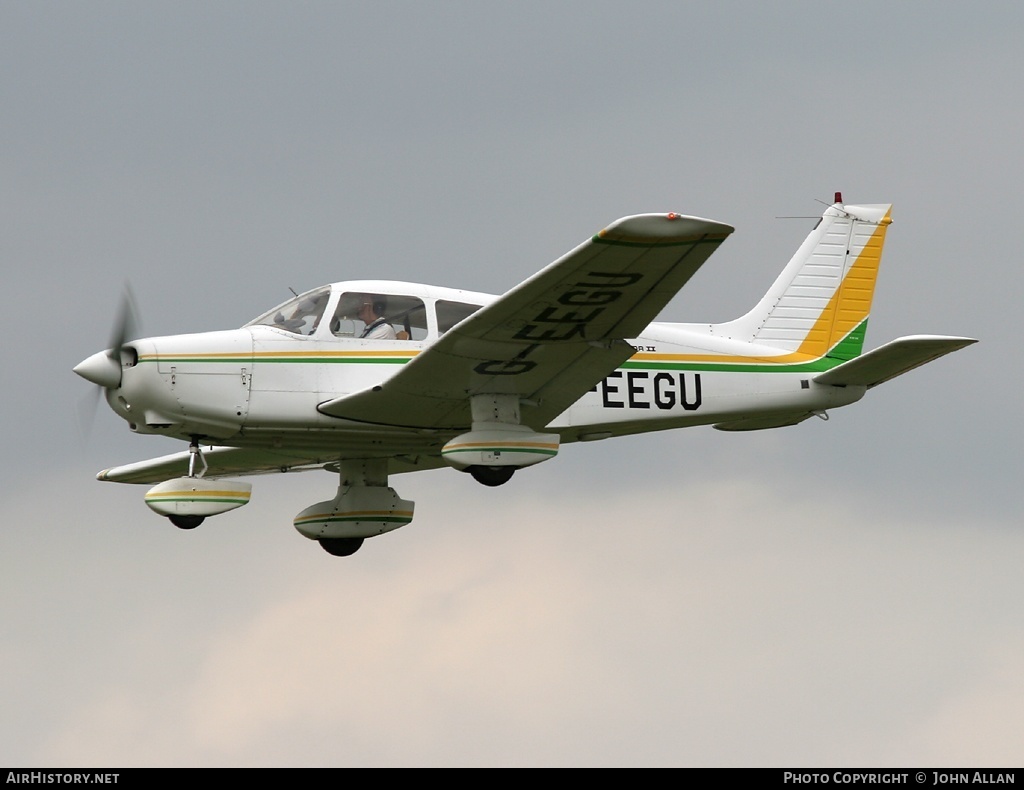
(300, 315)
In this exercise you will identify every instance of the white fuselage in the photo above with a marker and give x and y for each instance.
(260, 385)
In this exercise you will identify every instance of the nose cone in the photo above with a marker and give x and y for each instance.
(101, 368)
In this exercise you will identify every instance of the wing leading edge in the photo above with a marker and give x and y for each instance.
(235, 461)
(551, 338)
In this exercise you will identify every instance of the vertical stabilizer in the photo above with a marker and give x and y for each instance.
(820, 303)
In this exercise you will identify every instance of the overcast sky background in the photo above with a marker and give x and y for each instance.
(842, 593)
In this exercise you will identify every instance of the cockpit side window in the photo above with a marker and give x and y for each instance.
(380, 316)
(300, 315)
(450, 313)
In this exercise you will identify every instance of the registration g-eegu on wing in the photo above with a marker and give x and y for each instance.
(371, 378)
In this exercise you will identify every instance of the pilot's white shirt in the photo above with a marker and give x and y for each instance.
(379, 330)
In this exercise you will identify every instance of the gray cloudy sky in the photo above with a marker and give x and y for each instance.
(845, 593)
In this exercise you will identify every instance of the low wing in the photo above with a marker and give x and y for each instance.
(891, 360)
(238, 461)
(553, 337)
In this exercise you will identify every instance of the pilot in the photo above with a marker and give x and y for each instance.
(371, 313)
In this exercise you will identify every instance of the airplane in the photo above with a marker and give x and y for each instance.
(371, 378)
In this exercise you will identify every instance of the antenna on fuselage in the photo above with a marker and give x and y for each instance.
(292, 290)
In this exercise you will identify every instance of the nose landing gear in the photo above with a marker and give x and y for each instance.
(187, 501)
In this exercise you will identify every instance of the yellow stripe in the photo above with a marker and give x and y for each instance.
(338, 354)
(199, 494)
(794, 356)
(851, 303)
(280, 354)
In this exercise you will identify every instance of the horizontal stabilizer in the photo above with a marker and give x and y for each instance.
(891, 360)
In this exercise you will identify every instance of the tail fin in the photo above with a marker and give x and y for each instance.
(820, 303)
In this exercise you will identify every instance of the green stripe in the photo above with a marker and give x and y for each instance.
(197, 500)
(850, 346)
(336, 519)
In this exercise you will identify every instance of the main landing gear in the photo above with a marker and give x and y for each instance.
(365, 506)
(186, 522)
(341, 547)
(497, 443)
(492, 476)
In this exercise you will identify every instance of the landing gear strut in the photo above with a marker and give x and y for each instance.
(195, 452)
(183, 521)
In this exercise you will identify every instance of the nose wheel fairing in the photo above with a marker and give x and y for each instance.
(194, 496)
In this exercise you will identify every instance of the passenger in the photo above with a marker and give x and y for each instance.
(371, 313)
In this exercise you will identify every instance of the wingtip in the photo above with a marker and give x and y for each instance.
(669, 228)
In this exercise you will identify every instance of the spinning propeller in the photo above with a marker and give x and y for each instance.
(104, 367)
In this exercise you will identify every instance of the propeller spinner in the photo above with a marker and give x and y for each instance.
(104, 367)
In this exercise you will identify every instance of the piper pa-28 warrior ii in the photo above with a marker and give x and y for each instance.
(369, 379)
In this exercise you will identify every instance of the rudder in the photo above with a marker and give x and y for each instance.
(820, 303)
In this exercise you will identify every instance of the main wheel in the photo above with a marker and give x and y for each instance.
(492, 475)
(187, 522)
(341, 547)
